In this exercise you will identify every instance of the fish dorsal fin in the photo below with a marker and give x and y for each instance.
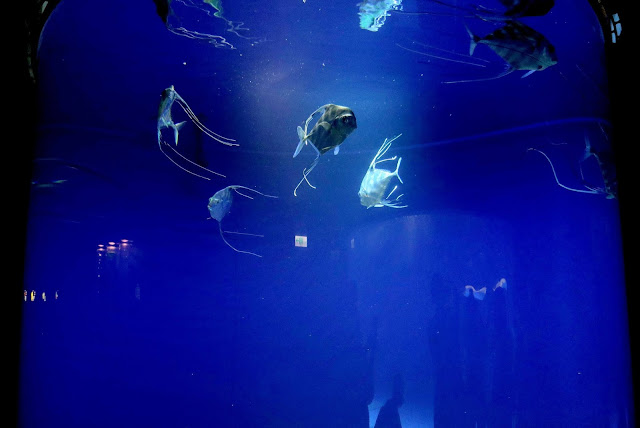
(301, 135)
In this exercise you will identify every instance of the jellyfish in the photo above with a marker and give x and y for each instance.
(500, 284)
(220, 205)
(373, 13)
(210, 8)
(605, 165)
(376, 181)
(169, 96)
(477, 294)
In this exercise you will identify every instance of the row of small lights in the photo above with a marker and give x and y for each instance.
(31, 297)
(112, 245)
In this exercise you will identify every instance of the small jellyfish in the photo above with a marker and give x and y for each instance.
(169, 96)
(500, 284)
(477, 294)
(220, 205)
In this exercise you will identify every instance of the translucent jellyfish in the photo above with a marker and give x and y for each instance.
(211, 8)
(500, 284)
(373, 13)
(477, 294)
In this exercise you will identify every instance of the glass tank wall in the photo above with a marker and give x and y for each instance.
(323, 214)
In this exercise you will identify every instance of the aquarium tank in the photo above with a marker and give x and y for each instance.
(391, 213)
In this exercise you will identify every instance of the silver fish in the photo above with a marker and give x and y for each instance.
(376, 181)
(522, 47)
(607, 171)
(169, 96)
(220, 205)
(331, 129)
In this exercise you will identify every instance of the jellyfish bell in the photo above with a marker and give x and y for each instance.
(479, 294)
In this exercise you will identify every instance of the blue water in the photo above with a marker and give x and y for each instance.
(136, 312)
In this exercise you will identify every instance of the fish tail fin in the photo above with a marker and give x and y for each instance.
(474, 40)
(396, 172)
(176, 129)
(301, 144)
